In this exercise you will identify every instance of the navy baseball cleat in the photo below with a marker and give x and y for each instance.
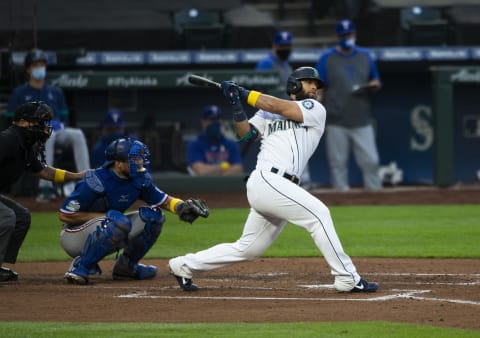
(124, 269)
(78, 274)
(364, 286)
(185, 282)
(76, 277)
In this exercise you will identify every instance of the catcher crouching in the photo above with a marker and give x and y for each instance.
(94, 222)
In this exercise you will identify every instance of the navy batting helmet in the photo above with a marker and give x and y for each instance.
(294, 84)
(33, 56)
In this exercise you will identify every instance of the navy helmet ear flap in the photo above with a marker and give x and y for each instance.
(117, 150)
(294, 86)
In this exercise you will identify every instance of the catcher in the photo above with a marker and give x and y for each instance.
(94, 223)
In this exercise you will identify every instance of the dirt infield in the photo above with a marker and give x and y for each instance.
(437, 292)
(440, 292)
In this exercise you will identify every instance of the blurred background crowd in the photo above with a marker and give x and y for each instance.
(121, 67)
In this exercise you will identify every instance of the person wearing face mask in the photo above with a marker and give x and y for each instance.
(112, 127)
(21, 151)
(212, 153)
(36, 89)
(277, 60)
(350, 75)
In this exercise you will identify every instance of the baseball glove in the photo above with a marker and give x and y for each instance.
(191, 209)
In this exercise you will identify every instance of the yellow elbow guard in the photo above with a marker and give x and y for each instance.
(59, 176)
(253, 97)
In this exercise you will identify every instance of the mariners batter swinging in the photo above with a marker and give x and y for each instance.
(290, 132)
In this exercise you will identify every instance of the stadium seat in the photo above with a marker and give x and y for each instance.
(198, 29)
(249, 28)
(466, 20)
(423, 26)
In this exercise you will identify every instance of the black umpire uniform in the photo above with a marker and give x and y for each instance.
(18, 153)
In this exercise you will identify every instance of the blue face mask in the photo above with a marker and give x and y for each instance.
(347, 43)
(39, 73)
(213, 131)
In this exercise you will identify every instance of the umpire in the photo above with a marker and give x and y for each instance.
(22, 149)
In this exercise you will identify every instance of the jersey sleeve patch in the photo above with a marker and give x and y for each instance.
(308, 104)
(94, 182)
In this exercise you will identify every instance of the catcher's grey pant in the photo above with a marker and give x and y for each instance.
(73, 239)
(14, 224)
(70, 137)
(275, 201)
(339, 141)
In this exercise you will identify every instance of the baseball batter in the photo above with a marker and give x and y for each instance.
(94, 221)
(290, 131)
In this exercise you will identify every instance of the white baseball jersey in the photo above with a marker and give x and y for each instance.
(288, 145)
(275, 200)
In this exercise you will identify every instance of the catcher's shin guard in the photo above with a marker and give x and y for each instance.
(138, 246)
(106, 239)
(127, 265)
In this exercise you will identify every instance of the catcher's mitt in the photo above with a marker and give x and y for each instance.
(191, 209)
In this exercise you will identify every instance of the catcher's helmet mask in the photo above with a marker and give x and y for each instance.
(294, 82)
(128, 150)
(38, 113)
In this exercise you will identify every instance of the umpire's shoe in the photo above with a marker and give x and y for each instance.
(7, 275)
(183, 279)
(124, 270)
(364, 286)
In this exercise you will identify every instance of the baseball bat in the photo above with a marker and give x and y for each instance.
(203, 82)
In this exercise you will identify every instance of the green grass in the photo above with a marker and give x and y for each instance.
(365, 231)
(235, 330)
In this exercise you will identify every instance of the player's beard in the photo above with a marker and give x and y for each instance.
(306, 95)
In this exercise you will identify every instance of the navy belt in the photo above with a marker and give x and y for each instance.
(289, 177)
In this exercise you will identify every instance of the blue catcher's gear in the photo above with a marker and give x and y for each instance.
(124, 269)
(134, 152)
(109, 237)
(119, 220)
(127, 266)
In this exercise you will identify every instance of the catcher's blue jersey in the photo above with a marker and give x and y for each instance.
(102, 190)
